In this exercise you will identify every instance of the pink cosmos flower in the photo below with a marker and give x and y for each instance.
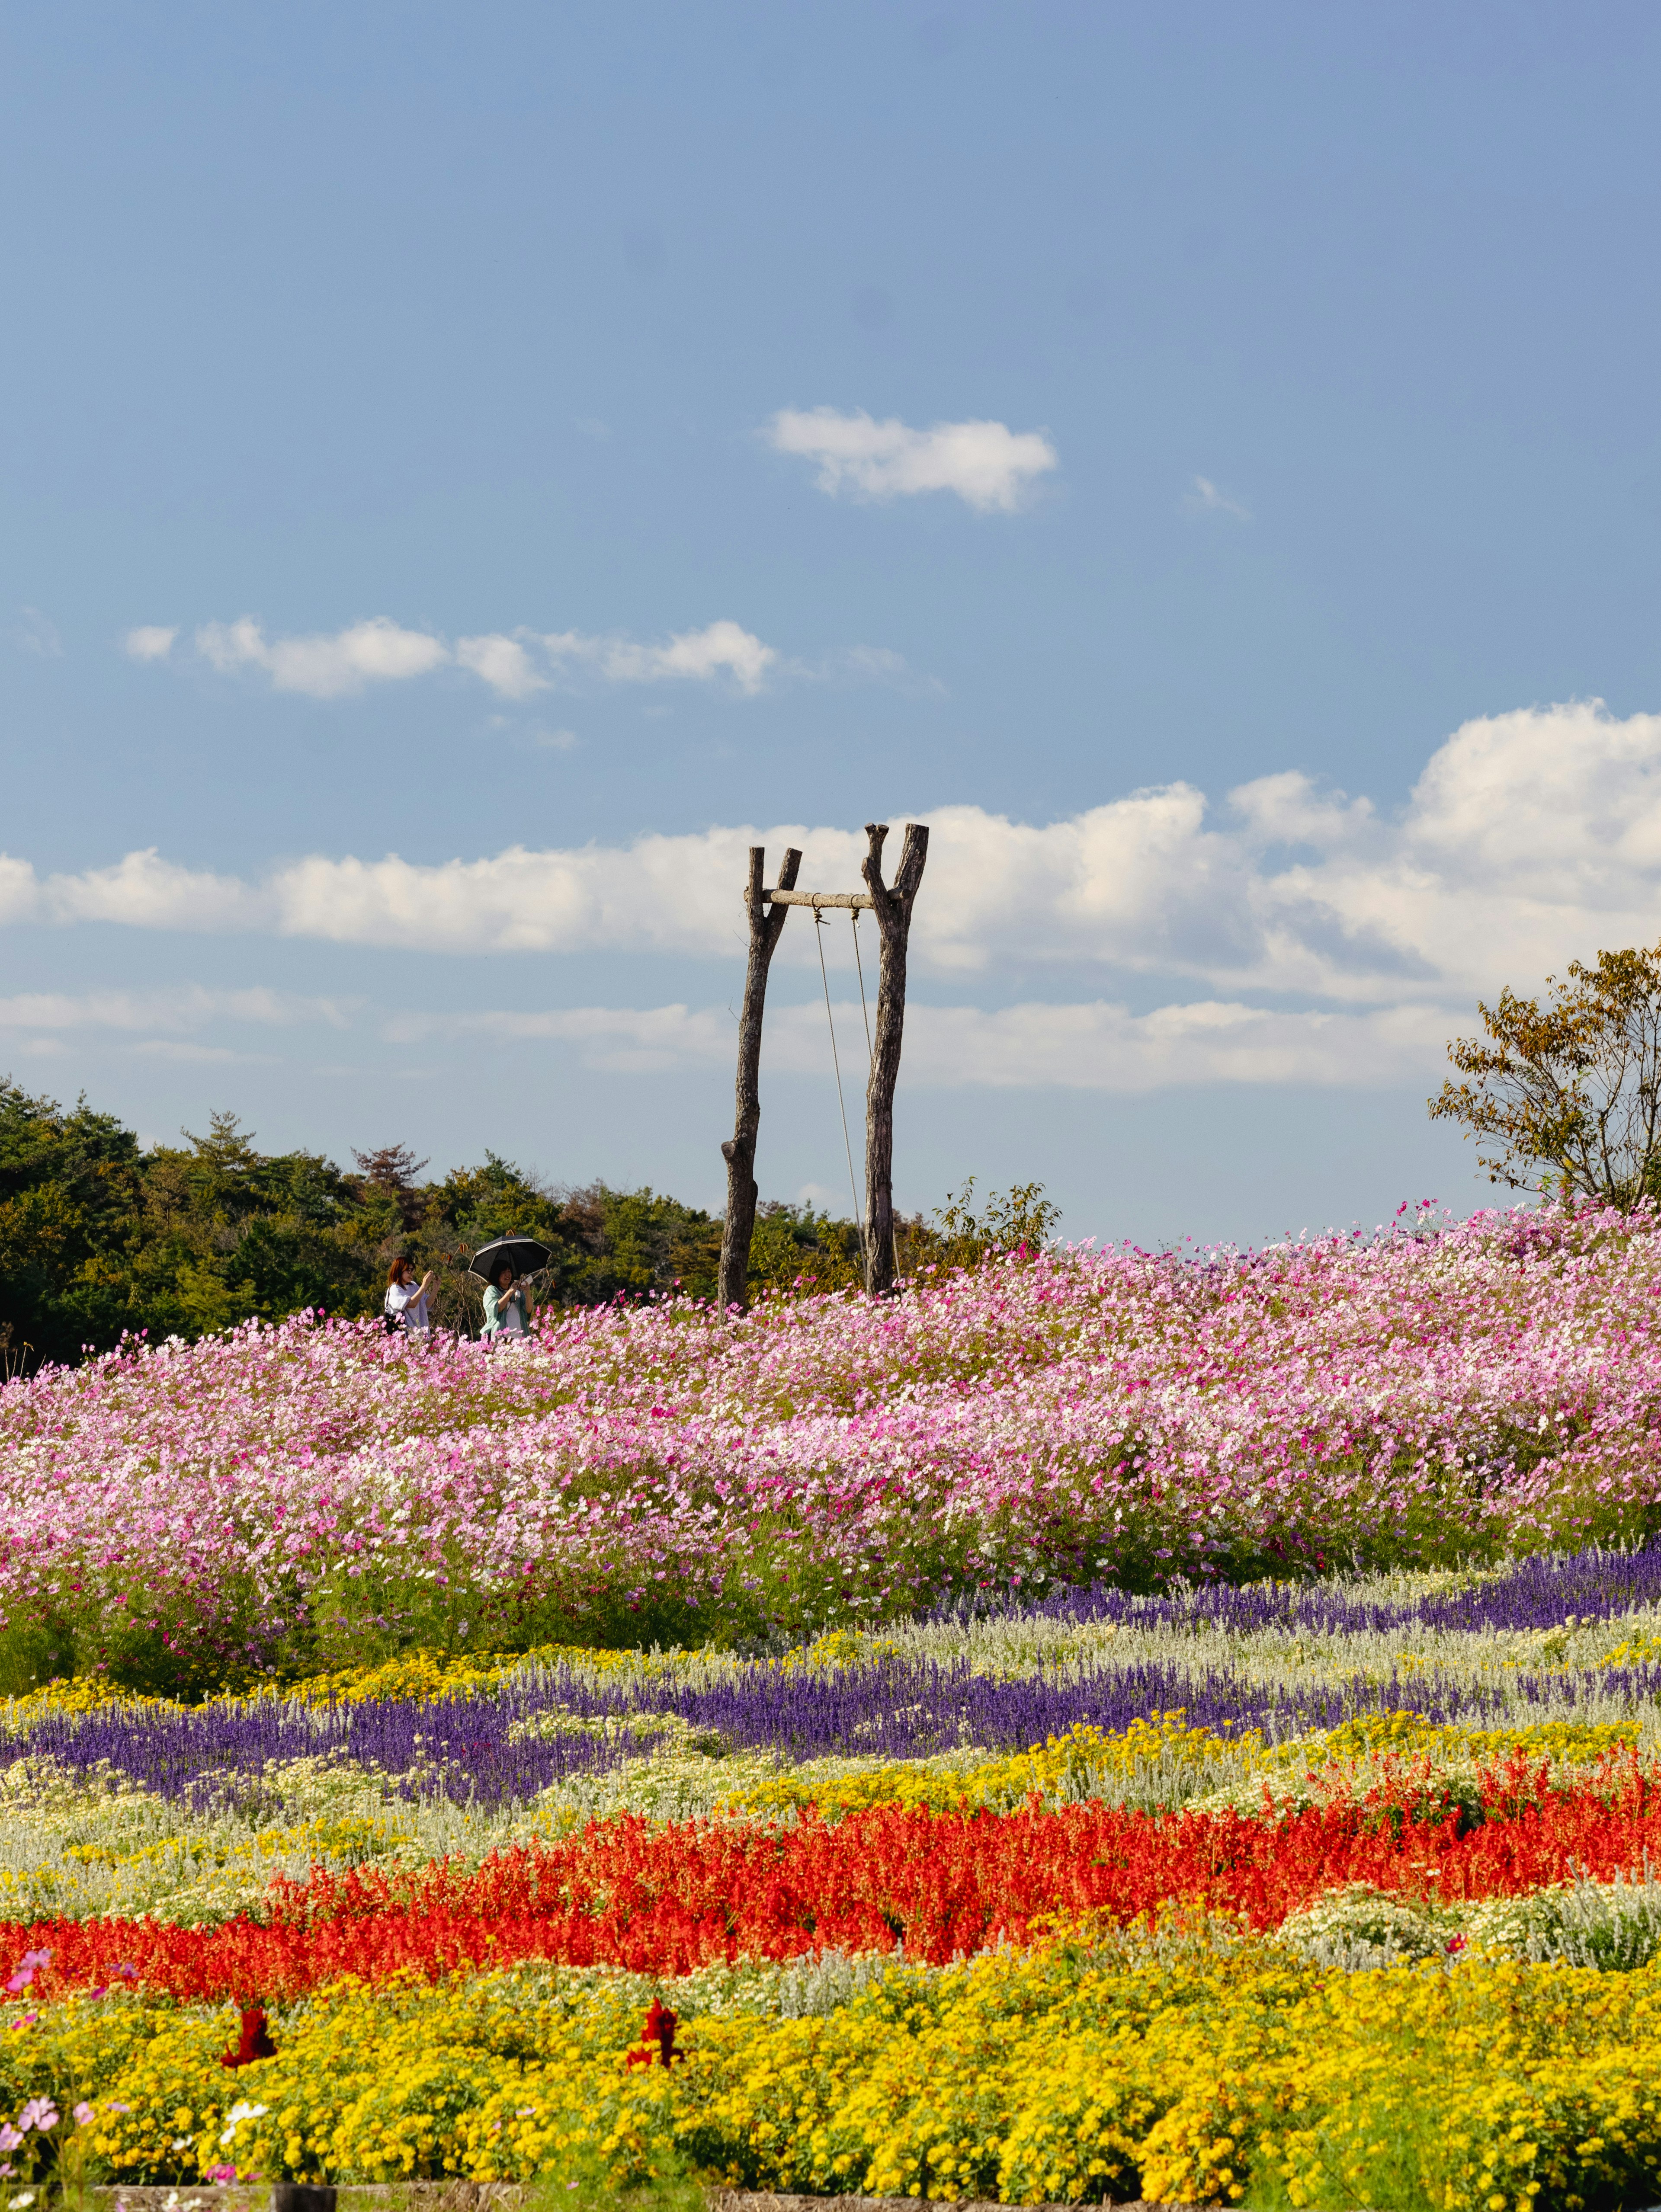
(27, 1967)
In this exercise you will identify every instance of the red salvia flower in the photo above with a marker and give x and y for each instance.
(660, 2024)
(664, 1900)
(254, 2042)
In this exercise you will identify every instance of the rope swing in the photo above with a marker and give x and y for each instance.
(768, 909)
(870, 1050)
(835, 1063)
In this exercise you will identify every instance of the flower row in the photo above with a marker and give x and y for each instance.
(667, 1898)
(180, 1513)
(1189, 2068)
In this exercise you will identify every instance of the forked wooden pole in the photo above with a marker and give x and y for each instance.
(892, 906)
(740, 1151)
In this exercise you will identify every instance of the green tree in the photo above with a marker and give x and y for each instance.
(70, 1187)
(232, 1233)
(794, 1249)
(1020, 1220)
(97, 1237)
(631, 1243)
(1564, 1097)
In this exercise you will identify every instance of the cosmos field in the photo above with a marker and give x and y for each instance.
(1101, 1725)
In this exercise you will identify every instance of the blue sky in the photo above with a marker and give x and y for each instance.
(522, 441)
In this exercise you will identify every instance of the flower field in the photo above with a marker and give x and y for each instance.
(1103, 1727)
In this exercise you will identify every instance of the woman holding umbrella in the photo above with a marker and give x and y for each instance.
(507, 1266)
(507, 1304)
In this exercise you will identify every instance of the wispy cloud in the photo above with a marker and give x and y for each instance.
(176, 1010)
(720, 648)
(337, 664)
(1206, 499)
(502, 663)
(1096, 1046)
(989, 467)
(37, 633)
(215, 1055)
(324, 667)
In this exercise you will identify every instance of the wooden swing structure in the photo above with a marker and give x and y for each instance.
(769, 910)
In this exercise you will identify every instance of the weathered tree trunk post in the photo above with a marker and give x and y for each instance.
(740, 1150)
(892, 907)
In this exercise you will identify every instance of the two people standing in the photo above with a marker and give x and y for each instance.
(509, 1306)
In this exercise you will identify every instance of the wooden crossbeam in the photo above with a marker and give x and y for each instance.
(820, 898)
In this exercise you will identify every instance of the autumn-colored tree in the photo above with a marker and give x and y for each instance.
(1565, 1097)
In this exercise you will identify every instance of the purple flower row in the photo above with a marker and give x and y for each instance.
(214, 1757)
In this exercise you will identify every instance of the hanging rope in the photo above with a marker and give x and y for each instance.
(847, 1143)
(870, 1049)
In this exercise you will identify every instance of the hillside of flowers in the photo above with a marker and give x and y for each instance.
(1097, 1727)
(292, 1498)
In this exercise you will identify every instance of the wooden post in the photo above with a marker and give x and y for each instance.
(740, 1151)
(892, 907)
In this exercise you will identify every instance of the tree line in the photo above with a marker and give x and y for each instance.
(98, 1236)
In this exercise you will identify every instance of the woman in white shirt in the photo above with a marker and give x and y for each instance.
(406, 1300)
(507, 1306)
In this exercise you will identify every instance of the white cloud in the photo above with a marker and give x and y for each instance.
(324, 667)
(721, 648)
(337, 664)
(1098, 1046)
(503, 664)
(1530, 838)
(20, 893)
(1302, 934)
(197, 1054)
(177, 1009)
(988, 465)
(144, 891)
(1206, 499)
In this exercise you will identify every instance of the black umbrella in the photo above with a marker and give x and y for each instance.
(522, 1253)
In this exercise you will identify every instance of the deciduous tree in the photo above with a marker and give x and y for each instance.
(1563, 1095)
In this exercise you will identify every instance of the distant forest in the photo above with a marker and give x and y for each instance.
(98, 1236)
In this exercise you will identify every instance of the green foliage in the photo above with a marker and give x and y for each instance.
(1566, 1098)
(70, 1184)
(1020, 1219)
(97, 1237)
(626, 1243)
(795, 1250)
